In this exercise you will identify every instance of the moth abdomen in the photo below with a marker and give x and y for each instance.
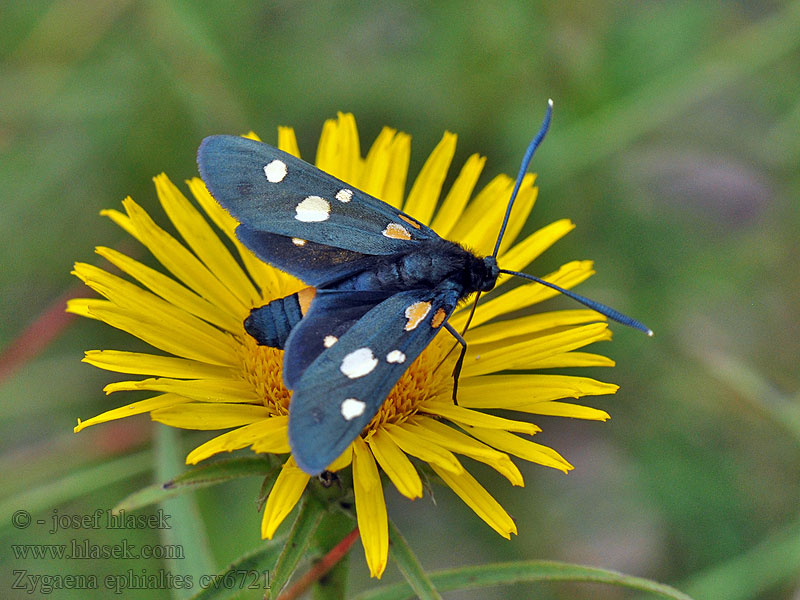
(271, 324)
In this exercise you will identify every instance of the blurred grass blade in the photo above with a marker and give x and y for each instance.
(754, 388)
(251, 571)
(754, 572)
(197, 478)
(186, 530)
(520, 572)
(308, 519)
(75, 485)
(408, 564)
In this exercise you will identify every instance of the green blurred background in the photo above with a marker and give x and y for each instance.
(674, 148)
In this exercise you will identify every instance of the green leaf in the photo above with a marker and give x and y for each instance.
(308, 519)
(519, 572)
(411, 568)
(196, 478)
(250, 571)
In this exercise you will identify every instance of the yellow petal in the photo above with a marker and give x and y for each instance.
(327, 158)
(338, 152)
(525, 449)
(182, 263)
(265, 276)
(205, 243)
(483, 236)
(210, 416)
(564, 409)
(85, 307)
(138, 363)
(453, 204)
(135, 300)
(395, 186)
(122, 220)
(479, 500)
(569, 275)
(370, 508)
(345, 458)
(424, 194)
(351, 163)
(456, 441)
(497, 356)
(525, 252)
(377, 163)
(136, 408)
(203, 390)
(514, 391)
(287, 141)
(524, 326)
(572, 359)
(266, 436)
(171, 291)
(282, 498)
(156, 334)
(523, 206)
(493, 197)
(420, 447)
(459, 414)
(396, 465)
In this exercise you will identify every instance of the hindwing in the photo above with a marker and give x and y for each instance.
(339, 392)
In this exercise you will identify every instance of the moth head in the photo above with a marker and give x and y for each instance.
(490, 274)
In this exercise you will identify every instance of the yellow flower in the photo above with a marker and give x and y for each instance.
(211, 375)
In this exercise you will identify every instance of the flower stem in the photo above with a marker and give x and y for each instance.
(321, 567)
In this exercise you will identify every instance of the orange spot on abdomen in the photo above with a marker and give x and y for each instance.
(304, 298)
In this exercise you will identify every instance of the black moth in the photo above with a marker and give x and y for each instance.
(383, 285)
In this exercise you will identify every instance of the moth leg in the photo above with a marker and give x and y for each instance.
(459, 362)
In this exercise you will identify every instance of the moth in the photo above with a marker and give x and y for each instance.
(384, 285)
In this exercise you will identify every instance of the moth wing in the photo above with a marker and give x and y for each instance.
(272, 191)
(342, 389)
(311, 262)
(330, 316)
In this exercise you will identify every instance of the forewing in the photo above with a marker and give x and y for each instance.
(272, 191)
(339, 393)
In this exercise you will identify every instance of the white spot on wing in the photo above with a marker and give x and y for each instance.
(344, 195)
(298, 241)
(275, 171)
(313, 210)
(352, 408)
(395, 356)
(358, 363)
(329, 340)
